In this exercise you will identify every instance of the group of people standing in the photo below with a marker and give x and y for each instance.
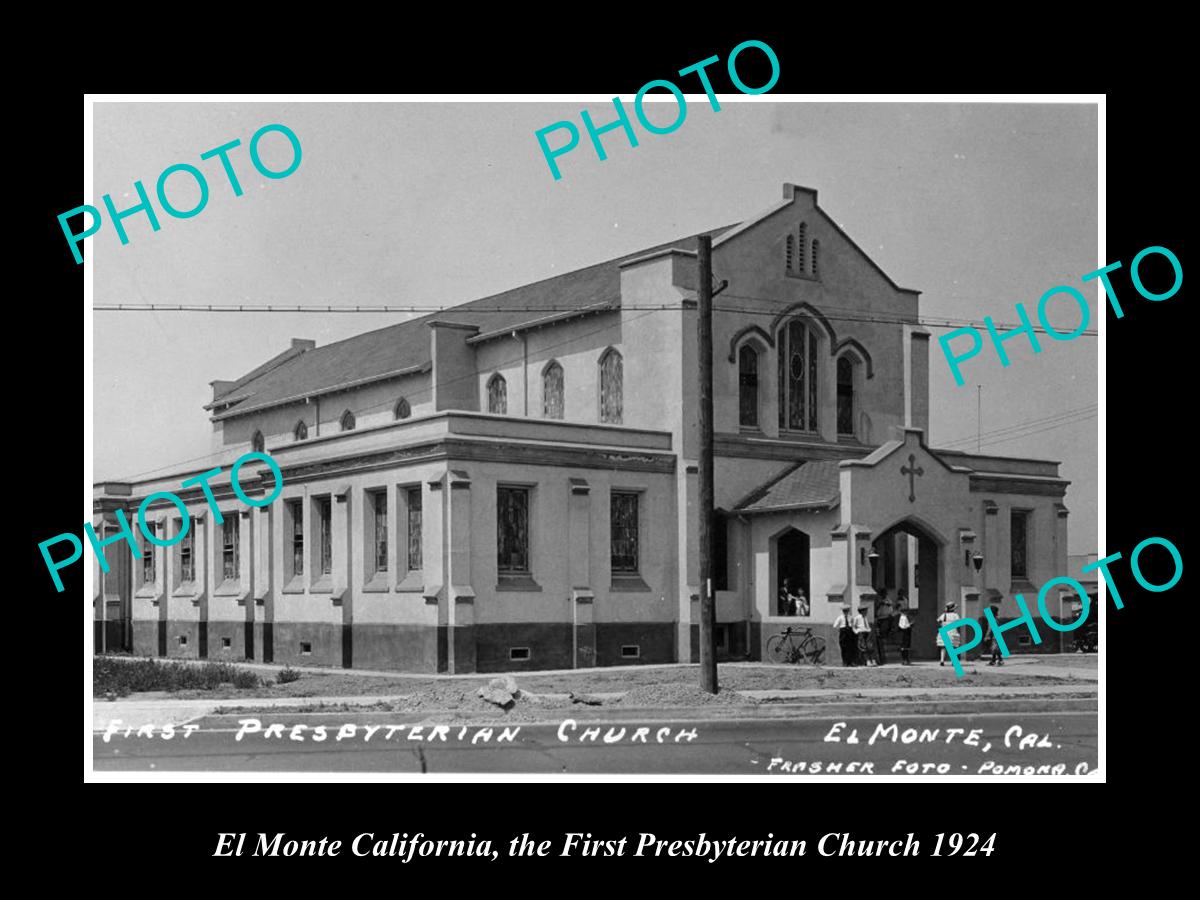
(863, 645)
(792, 601)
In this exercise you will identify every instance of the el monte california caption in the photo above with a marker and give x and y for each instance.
(722, 449)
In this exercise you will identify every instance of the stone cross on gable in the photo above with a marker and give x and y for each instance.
(912, 471)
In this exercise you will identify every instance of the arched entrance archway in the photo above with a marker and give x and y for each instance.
(907, 566)
(790, 551)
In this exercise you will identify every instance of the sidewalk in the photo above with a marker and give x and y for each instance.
(1023, 664)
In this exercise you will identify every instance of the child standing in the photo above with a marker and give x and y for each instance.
(989, 638)
(866, 644)
(944, 619)
(905, 628)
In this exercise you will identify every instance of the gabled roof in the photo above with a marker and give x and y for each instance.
(403, 348)
(808, 485)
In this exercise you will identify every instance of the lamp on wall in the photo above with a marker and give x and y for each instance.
(978, 560)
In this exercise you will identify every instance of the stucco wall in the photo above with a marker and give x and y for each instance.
(848, 287)
(575, 344)
(372, 404)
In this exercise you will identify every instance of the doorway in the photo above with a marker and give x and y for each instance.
(791, 565)
(906, 567)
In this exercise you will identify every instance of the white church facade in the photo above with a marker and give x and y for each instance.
(511, 484)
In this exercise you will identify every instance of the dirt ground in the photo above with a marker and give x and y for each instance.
(649, 686)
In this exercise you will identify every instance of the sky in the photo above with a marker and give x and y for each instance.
(978, 206)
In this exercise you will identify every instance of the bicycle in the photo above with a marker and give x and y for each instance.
(793, 645)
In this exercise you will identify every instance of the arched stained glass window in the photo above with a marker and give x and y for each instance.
(552, 391)
(402, 410)
(797, 344)
(300, 432)
(611, 387)
(748, 386)
(497, 391)
(347, 421)
(845, 395)
(257, 443)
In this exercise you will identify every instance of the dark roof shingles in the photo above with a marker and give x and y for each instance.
(406, 344)
(810, 483)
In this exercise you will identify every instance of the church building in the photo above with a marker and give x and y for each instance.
(511, 484)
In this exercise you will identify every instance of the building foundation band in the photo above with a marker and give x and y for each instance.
(496, 488)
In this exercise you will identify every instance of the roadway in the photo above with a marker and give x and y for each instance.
(955, 744)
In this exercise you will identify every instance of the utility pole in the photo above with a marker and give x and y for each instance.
(979, 418)
(708, 650)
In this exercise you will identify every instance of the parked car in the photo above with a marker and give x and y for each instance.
(1087, 639)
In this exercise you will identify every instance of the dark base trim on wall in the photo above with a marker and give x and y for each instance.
(493, 647)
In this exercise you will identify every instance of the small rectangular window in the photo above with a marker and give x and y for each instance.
(183, 640)
(518, 653)
(305, 648)
(631, 651)
(226, 643)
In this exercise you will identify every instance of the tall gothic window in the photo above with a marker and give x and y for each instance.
(148, 554)
(497, 393)
(296, 514)
(1019, 533)
(414, 529)
(816, 246)
(624, 532)
(552, 391)
(378, 500)
(802, 248)
(300, 432)
(512, 530)
(845, 395)
(402, 410)
(748, 386)
(797, 377)
(229, 547)
(257, 444)
(611, 386)
(325, 533)
(789, 255)
(187, 558)
(347, 421)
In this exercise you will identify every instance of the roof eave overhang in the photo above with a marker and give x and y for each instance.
(320, 392)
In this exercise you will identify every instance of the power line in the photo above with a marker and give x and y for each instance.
(1032, 430)
(997, 432)
(849, 316)
(1013, 437)
(642, 312)
(419, 392)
